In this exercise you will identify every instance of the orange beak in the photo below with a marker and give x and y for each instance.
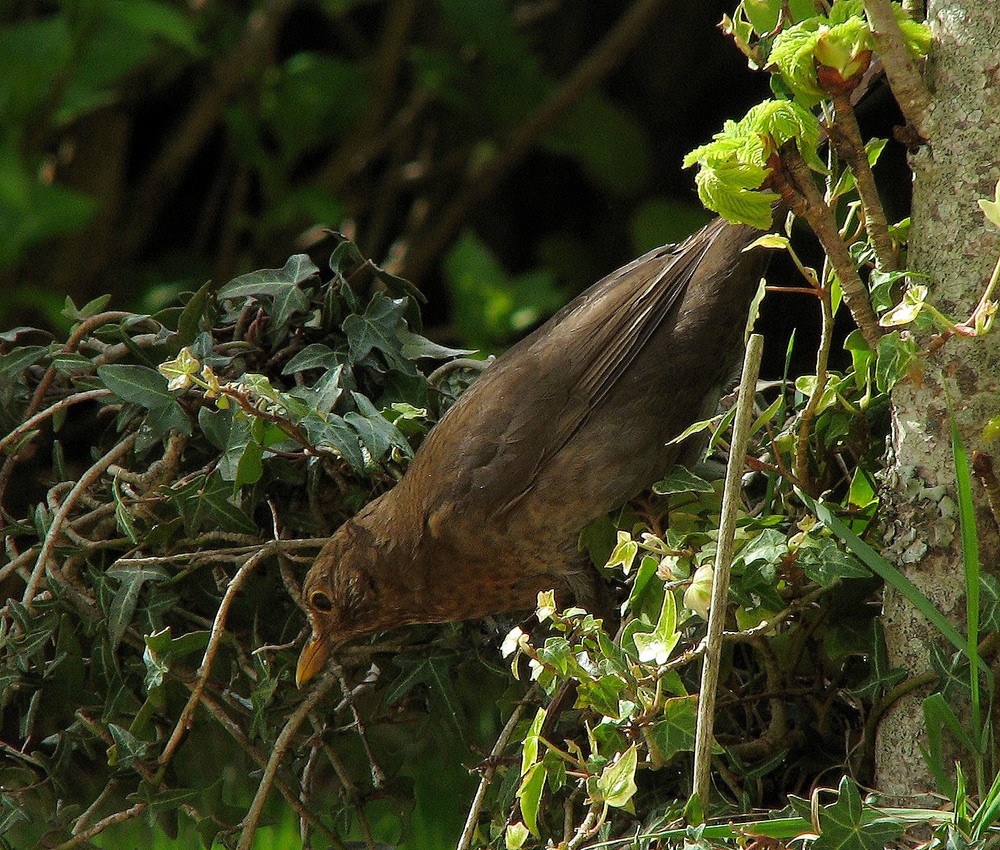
(311, 661)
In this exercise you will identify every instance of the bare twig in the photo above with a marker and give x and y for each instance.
(36, 420)
(99, 827)
(704, 735)
(800, 468)
(588, 828)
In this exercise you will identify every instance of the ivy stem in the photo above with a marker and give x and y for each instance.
(846, 134)
(800, 192)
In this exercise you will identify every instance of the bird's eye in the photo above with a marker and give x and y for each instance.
(320, 601)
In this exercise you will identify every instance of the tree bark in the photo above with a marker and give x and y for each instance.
(953, 244)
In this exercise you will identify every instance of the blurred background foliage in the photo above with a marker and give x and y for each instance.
(528, 147)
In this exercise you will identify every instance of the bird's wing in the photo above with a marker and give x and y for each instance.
(489, 451)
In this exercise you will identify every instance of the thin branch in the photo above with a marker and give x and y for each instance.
(704, 735)
(588, 828)
(290, 796)
(850, 146)
(800, 192)
(218, 630)
(911, 94)
(33, 422)
(800, 467)
(52, 536)
(472, 819)
(281, 744)
(101, 825)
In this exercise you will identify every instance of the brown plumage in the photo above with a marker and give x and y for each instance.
(568, 424)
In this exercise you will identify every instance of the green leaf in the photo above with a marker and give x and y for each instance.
(848, 825)
(378, 329)
(16, 361)
(315, 356)
(215, 507)
(415, 347)
(281, 286)
(908, 309)
(823, 561)
(376, 432)
(241, 462)
(333, 432)
(136, 384)
(126, 749)
(675, 733)
(680, 479)
(895, 358)
(529, 749)
(515, 836)
(530, 794)
(656, 646)
(131, 578)
(601, 695)
(991, 209)
(616, 784)
(623, 555)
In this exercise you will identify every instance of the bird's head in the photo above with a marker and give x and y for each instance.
(340, 596)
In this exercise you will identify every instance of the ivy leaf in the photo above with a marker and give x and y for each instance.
(20, 359)
(623, 555)
(376, 329)
(126, 749)
(657, 645)
(279, 285)
(991, 209)
(333, 432)
(315, 356)
(515, 836)
(675, 733)
(123, 604)
(906, 310)
(616, 784)
(530, 795)
(377, 433)
(680, 479)
(415, 346)
(136, 384)
(895, 358)
(601, 695)
(848, 825)
(823, 561)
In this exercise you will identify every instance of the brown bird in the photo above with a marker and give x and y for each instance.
(567, 425)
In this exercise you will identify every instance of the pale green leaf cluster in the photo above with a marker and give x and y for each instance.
(841, 42)
(736, 164)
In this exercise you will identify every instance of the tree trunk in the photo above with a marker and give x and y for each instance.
(953, 244)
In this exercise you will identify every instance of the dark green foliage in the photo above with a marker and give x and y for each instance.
(287, 398)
